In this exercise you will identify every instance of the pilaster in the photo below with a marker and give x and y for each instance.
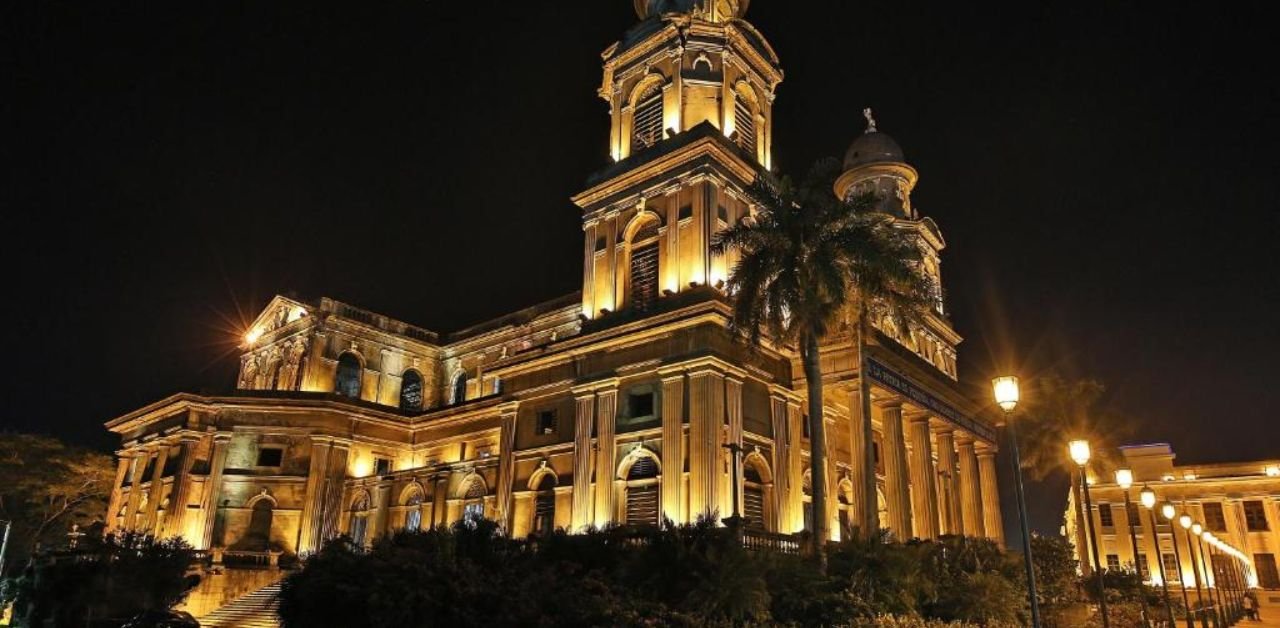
(673, 455)
(606, 453)
(123, 466)
(858, 452)
(312, 507)
(506, 465)
(733, 411)
(585, 415)
(706, 420)
(781, 462)
(152, 524)
(176, 516)
(795, 467)
(213, 486)
(949, 499)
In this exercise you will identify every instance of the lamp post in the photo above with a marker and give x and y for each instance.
(1222, 583)
(1006, 394)
(1080, 453)
(1124, 478)
(1200, 545)
(1170, 514)
(1148, 499)
(1184, 520)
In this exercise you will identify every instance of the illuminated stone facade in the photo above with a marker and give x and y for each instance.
(611, 405)
(1238, 502)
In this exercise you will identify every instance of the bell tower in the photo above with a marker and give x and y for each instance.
(690, 91)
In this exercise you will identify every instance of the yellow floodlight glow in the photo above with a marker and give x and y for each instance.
(253, 335)
(1079, 451)
(1006, 392)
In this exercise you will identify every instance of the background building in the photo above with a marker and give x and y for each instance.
(1238, 502)
(614, 404)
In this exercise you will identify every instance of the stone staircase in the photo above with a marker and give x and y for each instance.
(255, 610)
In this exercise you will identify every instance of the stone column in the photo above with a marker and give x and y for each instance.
(795, 468)
(706, 421)
(213, 486)
(924, 490)
(157, 490)
(506, 465)
(896, 491)
(992, 523)
(733, 410)
(673, 447)
(309, 538)
(606, 453)
(970, 488)
(140, 459)
(781, 464)
(949, 504)
(585, 417)
(858, 452)
(334, 490)
(123, 466)
(177, 515)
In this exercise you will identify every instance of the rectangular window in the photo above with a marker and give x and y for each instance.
(1131, 512)
(804, 426)
(1144, 568)
(381, 466)
(640, 404)
(1255, 516)
(270, 457)
(1214, 519)
(1105, 517)
(547, 422)
(1268, 577)
(1113, 562)
(1170, 568)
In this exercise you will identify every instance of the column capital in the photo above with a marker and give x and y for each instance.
(889, 403)
(591, 388)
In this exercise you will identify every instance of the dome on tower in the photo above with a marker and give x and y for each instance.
(872, 147)
(717, 10)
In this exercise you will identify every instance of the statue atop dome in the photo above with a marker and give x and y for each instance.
(712, 10)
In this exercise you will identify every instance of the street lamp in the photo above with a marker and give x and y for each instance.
(1198, 530)
(1170, 513)
(1221, 583)
(1006, 394)
(1185, 521)
(1080, 453)
(1124, 478)
(1148, 499)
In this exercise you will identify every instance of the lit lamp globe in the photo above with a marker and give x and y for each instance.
(1185, 521)
(1006, 391)
(1197, 529)
(1147, 497)
(1124, 477)
(1079, 450)
(1168, 511)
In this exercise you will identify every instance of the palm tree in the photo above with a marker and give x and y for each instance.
(805, 259)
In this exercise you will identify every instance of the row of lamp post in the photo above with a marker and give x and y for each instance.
(1223, 608)
(1234, 564)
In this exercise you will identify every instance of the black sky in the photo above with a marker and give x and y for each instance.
(1103, 173)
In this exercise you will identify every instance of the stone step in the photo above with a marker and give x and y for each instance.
(254, 610)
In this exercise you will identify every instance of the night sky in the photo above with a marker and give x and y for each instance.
(1103, 176)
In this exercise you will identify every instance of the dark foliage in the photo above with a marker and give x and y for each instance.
(694, 575)
(113, 578)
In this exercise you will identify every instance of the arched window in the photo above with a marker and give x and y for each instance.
(413, 517)
(347, 381)
(411, 391)
(544, 505)
(459, 388)
(643, 290)
(642, 491)
(647, 121)
(258, 536)
(806, 487)
(753, 502)
(358, 529)
(473, 504)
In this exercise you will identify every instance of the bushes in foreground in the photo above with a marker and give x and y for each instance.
(696, 575)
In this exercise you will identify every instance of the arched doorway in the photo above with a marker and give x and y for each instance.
(473, 500)
(358, 528)
(642, 491)
(544, 505)
(258, 537)
(753, 500)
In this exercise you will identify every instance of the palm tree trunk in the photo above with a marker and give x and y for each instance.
(870, 501)
(817, 445)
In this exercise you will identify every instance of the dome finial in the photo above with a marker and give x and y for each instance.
(871, 121)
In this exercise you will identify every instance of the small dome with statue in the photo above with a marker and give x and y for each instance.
(872, 147)
(714, 10)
